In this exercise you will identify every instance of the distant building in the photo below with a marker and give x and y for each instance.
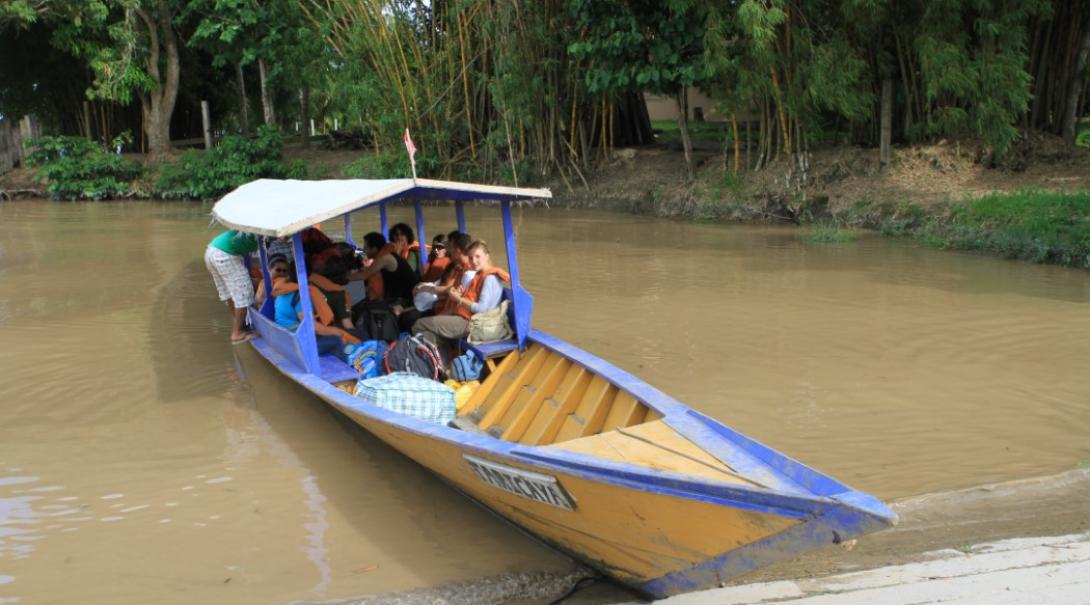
(665, 108)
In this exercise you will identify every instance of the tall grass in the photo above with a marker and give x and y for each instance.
(1033, 225)
(826, 233)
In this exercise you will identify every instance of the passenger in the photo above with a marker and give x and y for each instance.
(401, 236)
(482, 293)
(331, 277)
(437, 259)
(278, 269)
(455, 275)
(224, 260)
(390, 280)
(282, 246)
(331, 339)
(314, 241)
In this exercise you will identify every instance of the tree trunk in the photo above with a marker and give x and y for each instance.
(737, 143)
(266, 94)
(885, 154)
(1074, 91)
(304, 109)
(243, 100)
(158, 105)
(683, 124)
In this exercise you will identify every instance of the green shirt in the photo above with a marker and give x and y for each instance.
(235, 243)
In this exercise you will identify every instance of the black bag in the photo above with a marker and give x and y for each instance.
(377, 320)
(414, 354)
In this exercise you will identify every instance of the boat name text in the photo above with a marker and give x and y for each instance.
(533, 486)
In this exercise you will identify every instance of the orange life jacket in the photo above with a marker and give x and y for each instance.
(473, 290)
(435, 269)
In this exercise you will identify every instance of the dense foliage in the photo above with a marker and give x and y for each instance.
(78, 169)
(518, 90)
(206, 175)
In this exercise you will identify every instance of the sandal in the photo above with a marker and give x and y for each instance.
(245, 337)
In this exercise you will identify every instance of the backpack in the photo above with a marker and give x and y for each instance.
(466, 367)
(378, 321)
(490, 326)
(367, 358)
(414, 354)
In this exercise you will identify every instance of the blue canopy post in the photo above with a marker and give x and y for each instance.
(348, 229)
(524, 303)
(266, 278)
(423, 251)
(382, 223)
(460, 212)
(304, 334)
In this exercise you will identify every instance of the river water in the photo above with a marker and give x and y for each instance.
(145, 459)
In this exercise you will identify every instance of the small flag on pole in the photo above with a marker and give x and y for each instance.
(412, 151)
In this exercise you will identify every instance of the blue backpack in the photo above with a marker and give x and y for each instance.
(366, 357)
(466, 367)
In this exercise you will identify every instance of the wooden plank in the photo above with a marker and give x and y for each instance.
(625, 411)
(555, 408)
(467, 425)
(652, 415)
(655, 445)
(490, 383)
(509, 386)
(588, 416)
(518, 419)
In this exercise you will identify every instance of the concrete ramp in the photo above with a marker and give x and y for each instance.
(1054, 570)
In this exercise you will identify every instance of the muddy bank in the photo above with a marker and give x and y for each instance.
(651, 179)
(942, 195)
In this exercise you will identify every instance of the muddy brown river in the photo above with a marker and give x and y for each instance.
(145, 459)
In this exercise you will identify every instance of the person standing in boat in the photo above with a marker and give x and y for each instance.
(224, 260)
(482, 293)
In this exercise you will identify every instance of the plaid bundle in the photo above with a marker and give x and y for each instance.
(407, 393)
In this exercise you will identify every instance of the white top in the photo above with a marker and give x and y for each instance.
(276, 208)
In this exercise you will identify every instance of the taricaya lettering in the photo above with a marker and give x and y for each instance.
(533, 486)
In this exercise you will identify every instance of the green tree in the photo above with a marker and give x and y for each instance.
(643, 45)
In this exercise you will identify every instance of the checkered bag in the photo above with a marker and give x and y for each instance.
(407, 393)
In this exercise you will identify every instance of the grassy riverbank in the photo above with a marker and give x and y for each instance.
(1032, 225)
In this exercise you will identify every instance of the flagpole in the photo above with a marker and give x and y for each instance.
(411, 149)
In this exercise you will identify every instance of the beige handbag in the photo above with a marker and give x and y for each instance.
(490, 326)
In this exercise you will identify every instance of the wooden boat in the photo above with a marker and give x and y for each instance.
(581, 454)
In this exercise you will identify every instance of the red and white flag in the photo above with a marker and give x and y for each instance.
(411, 149)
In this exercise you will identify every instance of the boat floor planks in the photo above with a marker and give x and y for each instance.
(655, 445)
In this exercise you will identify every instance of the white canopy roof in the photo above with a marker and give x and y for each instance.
(281, 207)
